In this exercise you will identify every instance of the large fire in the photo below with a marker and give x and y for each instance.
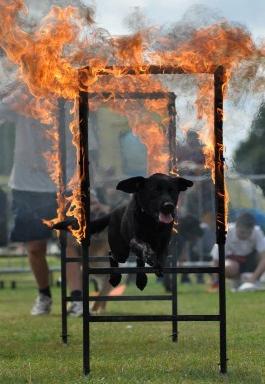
(48, 60)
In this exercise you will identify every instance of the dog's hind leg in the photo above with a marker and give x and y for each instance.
(141, 278)
(115, 278)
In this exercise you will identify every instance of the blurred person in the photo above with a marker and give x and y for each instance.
(34, 199)
(244, 251)
(189, 231)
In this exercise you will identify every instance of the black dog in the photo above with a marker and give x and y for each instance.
(144, 226)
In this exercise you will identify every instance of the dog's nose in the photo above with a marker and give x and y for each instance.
(167, 208)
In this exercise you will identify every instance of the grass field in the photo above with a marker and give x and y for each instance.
(31, 350)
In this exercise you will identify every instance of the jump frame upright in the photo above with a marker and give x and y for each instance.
(83, 162)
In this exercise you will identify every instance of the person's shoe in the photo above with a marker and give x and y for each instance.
(75, 309)
(42, 305)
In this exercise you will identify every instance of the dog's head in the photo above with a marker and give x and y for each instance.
(157, 195)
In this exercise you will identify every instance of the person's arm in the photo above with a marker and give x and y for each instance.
(259, 270)
(4, 113)
(8, 105)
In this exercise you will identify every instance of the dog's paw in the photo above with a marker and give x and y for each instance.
(141, 281)
(115, 279)
(158, 271)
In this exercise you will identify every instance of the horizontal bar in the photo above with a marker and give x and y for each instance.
(8, 254)
(200, 267)
(10, 270)
(106, 258)
(130, 95)
(91, 258)
(134, 318)
(73, 259)
(102, 271)
(140, 70)
(124, 298)
(98, 258)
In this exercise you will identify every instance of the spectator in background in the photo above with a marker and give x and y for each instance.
(34, 199)
(133, 154)
(244, 250)
(188, 233)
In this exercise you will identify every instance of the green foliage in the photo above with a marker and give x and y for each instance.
(250, 156)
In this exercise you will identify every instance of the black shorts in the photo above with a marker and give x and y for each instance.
(29, 209)
(246, 264)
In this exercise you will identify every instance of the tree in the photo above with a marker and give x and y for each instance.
(250, 156)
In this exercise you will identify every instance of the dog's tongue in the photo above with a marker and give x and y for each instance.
(165, 218)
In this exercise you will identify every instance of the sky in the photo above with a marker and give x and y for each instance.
(111, 13)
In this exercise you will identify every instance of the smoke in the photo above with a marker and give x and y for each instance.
(37, 10)
(136, 21)
(197, 16)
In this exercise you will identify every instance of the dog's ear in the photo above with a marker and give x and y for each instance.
(183, 184)
(131, 185)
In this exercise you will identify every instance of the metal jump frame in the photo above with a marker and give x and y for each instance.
(219, 75)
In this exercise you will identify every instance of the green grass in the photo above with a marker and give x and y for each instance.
(31, 350)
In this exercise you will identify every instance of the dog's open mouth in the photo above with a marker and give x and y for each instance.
(165, 218)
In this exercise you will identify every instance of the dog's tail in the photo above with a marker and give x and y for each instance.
(95, 226)
(98, 225)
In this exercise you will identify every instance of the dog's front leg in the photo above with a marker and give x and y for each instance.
(115, 278)
(159, 264)
(158, 270)
(141, 278)
(139, 249)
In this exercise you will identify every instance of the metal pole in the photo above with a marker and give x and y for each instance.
(174, 287)
(85, 198)
(172, 168)
(219, 78)
(172, 131)
(130, 70)
(129, 95)
(63, 235)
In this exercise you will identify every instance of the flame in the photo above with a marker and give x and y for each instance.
(49, 61)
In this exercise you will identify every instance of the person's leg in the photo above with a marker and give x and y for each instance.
(74, 279)
(232, 269)
(252, 267)
(73, 270)
(29, 209)
(37, 258)
(233, 272)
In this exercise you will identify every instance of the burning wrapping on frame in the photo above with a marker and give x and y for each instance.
(46, 54)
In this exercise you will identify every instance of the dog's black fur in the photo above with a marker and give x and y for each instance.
(144, 226)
